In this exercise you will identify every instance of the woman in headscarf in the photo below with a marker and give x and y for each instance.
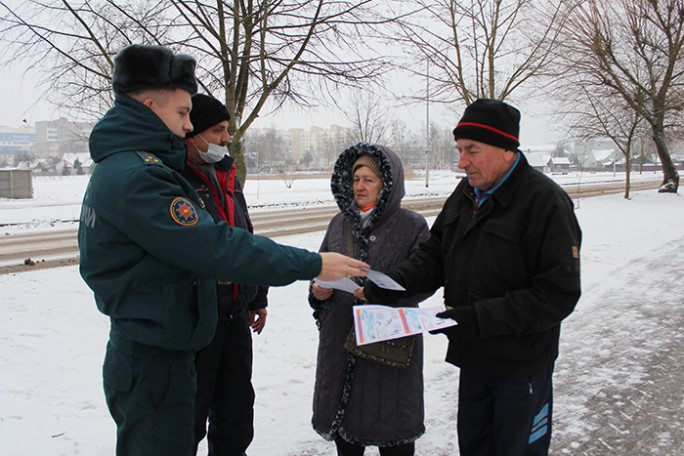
(359, 402)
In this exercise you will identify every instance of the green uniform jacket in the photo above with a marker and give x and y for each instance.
(150, 252)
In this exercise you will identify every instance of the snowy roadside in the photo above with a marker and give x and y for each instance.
(618, 380)
(56, 202)
(619, 377)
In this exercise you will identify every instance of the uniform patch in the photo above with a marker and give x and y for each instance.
(575, 252)
(183, 212)
(149, 159)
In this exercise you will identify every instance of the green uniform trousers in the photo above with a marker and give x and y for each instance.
(150, 393)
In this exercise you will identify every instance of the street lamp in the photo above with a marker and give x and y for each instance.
(427, 125)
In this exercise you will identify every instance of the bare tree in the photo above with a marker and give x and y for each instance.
(269, 147)
(632, 50)
(479, 48)
(370, 117)
(332, 146)
(249, 52)
(288, 173)
(408, 143)
(443, 146)
(643, 147)
(608, 117)
(70, 45)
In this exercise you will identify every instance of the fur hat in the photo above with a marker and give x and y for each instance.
(152, 67)
(367, 161)
(206, 112)
(491, 122)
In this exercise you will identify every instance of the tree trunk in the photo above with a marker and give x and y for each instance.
(670, 182)
(237, 151)
(628, 171)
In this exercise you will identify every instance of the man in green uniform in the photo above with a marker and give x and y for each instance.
(152, 254)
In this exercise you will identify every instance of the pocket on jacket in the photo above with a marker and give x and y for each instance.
(476, 295)
(504, 230)
(500, 252)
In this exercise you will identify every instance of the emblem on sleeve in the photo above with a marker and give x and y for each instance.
(183, 212)
(575, 252)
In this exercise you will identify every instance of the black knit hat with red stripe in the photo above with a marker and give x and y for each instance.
(491, 122)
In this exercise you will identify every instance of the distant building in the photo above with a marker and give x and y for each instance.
(54, 138)
(14, 141)
(538, 161)
(70, 161)
(598, 158)
(321, 144)
(545, 149)
(559, 164)
(299, 141)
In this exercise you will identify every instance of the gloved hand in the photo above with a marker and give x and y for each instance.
(467, 328)
(377, 295)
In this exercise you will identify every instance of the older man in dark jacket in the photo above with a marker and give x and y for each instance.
(506, 250)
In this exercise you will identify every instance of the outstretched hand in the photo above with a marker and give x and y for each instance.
(336, 266)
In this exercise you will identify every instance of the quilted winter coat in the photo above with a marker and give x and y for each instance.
(363, 401)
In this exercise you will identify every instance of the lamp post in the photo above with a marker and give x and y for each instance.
(427, 125)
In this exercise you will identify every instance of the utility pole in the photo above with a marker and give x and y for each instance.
(427, 125)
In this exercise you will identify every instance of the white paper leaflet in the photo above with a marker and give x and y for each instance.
(380, 279)
(375, 323)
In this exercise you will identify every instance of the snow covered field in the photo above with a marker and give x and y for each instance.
(619, 350)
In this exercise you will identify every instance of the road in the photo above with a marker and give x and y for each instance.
(26, 251)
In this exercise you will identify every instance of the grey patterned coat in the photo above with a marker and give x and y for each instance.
(365, 402)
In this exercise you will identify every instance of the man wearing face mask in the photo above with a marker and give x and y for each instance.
(224, 368)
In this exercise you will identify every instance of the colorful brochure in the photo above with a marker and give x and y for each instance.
(375, 323)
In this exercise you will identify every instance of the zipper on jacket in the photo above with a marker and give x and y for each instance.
(476, 207)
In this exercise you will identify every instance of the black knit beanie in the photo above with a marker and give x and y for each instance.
(206, 112)
(139, 67)
(491, 122)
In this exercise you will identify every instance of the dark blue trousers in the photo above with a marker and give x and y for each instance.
(225, 395)
(504, 415)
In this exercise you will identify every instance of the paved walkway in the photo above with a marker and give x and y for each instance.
(621, 391)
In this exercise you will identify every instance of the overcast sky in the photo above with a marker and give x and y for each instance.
(21, 99)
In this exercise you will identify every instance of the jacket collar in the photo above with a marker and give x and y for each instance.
(225, 164)
(131, 126)
(503, 192)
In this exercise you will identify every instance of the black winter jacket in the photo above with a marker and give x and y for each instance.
(515, 259)
(231, 208)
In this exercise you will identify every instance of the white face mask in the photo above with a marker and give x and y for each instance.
(214, 153)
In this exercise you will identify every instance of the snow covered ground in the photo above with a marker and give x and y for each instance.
(618, 380)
